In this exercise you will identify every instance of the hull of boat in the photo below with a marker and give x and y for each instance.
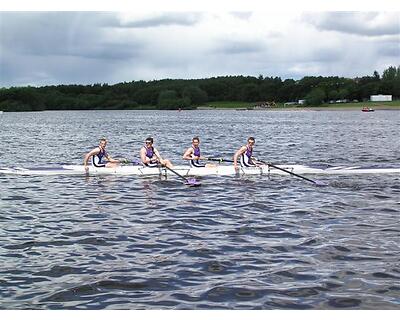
(222, 170)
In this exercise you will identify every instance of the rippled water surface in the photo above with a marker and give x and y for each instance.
(259, 242)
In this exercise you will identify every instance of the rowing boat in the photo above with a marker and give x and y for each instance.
(220, 170)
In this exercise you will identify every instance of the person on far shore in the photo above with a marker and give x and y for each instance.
(98, 155)
(150, 156)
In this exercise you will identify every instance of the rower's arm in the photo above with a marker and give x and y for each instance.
(143, 156)
(109, 159)
(89, 154)
(238, 154)
(157, 154)
(255, 161)
(188, 154)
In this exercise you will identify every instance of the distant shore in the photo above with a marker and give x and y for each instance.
(335, 108)
(243, 106)
(394, 105)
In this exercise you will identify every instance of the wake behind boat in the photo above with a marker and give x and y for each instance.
(220, 170)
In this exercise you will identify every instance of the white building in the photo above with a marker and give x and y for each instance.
(381, 97)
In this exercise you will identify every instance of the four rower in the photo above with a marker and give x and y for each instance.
(193, 155)
(150, 156)
(98, 155)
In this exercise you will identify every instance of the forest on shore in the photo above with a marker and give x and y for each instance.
(191, 93)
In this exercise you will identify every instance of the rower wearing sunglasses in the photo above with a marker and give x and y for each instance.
(245, 153)
(151, 157)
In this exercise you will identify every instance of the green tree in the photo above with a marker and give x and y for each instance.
(333, 95)
(389, 74)
(195, 95)
(315, 97)
(168, 99)
(343, 93)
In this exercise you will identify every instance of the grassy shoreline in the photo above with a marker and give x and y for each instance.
(238, 105)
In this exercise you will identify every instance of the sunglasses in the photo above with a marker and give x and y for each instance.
(148, 142)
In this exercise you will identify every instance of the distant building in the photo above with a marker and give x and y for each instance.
(302, 101)
(381, 97)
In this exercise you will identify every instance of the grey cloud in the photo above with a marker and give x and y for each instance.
(164, 19)
(69, 47)
(65, 34)
(326, 54)
(40, 70)
(238, 47)
(358, 23)
(244, 15)
(389, 47)
(41, 48)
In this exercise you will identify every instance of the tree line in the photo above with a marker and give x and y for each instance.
(188, 94)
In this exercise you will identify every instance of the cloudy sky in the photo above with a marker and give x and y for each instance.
(83, 47)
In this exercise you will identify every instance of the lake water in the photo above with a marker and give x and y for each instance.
(254, 242)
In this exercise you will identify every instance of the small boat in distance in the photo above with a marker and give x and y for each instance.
(367, 109)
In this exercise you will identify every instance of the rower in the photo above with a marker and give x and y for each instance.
(245, 153)
(98, 155)
(193, 155)
(151, 157)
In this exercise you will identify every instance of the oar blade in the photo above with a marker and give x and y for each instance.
(320, 183)
(192, 182)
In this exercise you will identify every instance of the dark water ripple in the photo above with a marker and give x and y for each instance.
(233, 243)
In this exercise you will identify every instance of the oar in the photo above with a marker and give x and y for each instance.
(191, 182)
(318, 183)
(219, 159)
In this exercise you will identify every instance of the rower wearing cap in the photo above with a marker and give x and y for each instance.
(151, 157)
(193, 155)
(245, 153)
(98, 155)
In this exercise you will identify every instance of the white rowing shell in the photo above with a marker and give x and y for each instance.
(221, 170)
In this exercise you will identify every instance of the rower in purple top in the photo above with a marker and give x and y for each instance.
(193, 155)
(98, 155)
(151, 157)
(246, 155)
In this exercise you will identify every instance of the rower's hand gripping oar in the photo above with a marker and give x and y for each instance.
(318, 183)
(191, 182)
